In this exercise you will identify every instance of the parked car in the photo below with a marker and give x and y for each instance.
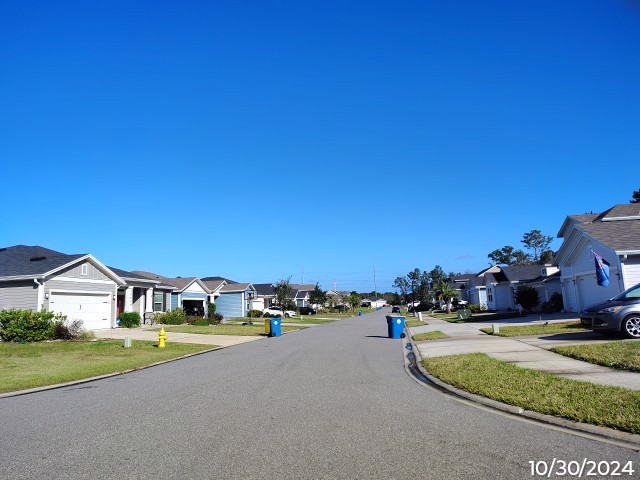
(619, 314)
(395, 309)
(307, 311)
(278, 312)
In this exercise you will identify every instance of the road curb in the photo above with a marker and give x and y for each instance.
(629, 440)
(106, 375)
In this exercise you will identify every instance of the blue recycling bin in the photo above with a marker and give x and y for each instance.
(359, 313)
(274, 327)
(395, 326)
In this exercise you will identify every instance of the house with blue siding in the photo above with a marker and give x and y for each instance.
(235, 300)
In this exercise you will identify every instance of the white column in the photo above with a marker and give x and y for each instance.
(149, 302)
(128, 299)
(40, 295)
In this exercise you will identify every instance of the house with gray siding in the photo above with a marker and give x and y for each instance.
(188, 293)
(613, 234)
(78, 286)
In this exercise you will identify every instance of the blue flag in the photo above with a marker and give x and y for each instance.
(602, 270)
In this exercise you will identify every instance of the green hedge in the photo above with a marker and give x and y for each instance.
(129, 319)
(28, 326)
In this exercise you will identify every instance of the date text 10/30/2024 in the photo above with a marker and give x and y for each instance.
(585, 468)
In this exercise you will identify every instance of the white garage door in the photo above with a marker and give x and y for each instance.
(590, 293)
(93, 309)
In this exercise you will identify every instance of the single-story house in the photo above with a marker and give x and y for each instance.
(189, 293)
(214, 285)
(373, 302)
(265, 296)
(141, 294)
(614, 235)
(78, 286)
(235, 300)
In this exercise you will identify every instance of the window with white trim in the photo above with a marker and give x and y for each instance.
(489, 295)
(158, 302)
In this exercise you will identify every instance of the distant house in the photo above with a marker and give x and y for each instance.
(497, 286)
(214, 284)
(613, 234)
(373, 302)
(460, 284)
(235, 300)
(78, 286)
(140, 294)
(265, 295)
(188, 293)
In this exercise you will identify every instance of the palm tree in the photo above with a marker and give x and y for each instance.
(446, 292)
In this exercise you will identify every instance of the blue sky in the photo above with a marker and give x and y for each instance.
(260, 140)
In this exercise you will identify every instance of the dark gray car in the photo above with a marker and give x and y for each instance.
(619, 314)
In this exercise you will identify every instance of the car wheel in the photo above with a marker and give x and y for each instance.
(286, 315)
(631, 326)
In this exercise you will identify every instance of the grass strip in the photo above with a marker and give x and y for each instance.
(608, 406)
(435, 335)
(538, 329)
(415, 323)
(622, 355)
(38, 364)
(226, 329)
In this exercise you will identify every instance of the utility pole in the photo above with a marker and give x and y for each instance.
(375, 287)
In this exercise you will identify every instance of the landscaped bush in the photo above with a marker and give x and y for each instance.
(211, 310)
(27, 326)
(527, 297)
(129, 319)
(267, 315)
(254, 313)
(172, 317)
(477, 308)
(200, 322)
(218, 318)
(215, 319)
(557, 302)
(63, 330)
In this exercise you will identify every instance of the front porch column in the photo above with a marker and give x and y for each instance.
(149, 302)
(128, 299)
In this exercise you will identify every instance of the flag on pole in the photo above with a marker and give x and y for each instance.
(602, 270)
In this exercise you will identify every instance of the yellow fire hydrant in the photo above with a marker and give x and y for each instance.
(161, 338)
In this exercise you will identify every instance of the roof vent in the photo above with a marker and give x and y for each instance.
(36, 259)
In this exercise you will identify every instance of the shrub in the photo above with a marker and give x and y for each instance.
(217, 318)
(267, 315)
(86, 335)
(27, 326)
(254, 313)
(201, 322)
(557, 302)
(129, 319)
(192, 319)
(477, 308)
(63, 330)
(547, 307)
(172, 317)
(527, 297)
(211, 310)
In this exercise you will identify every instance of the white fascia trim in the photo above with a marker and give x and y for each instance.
(82, 280)
(103, 268)
(81, 292)
(15, 278)
(199, 282)
(615, 219)
(627, 252)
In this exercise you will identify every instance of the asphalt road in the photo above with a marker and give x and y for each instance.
(328, 402)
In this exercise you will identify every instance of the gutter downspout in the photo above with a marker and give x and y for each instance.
(40, 294)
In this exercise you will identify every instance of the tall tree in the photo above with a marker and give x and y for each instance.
(414, 280)
(537, 243)
(636, 197)
(282, 291)
(437, 276)
(354, 300)
(402, 284)
(318, 297)
(508, 255)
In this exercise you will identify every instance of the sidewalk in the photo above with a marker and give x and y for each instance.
(526, 352)
(143, 333)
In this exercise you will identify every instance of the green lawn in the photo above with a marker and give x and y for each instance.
(414, 323)
(538, 329)
(243, 330)
(477, 373)
(623, 355)
(38, 364)
(435, 335)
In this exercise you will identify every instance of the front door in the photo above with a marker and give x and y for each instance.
(120, 305)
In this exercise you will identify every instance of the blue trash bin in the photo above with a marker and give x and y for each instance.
(395, 326)
(359, 313)
(274, 323)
